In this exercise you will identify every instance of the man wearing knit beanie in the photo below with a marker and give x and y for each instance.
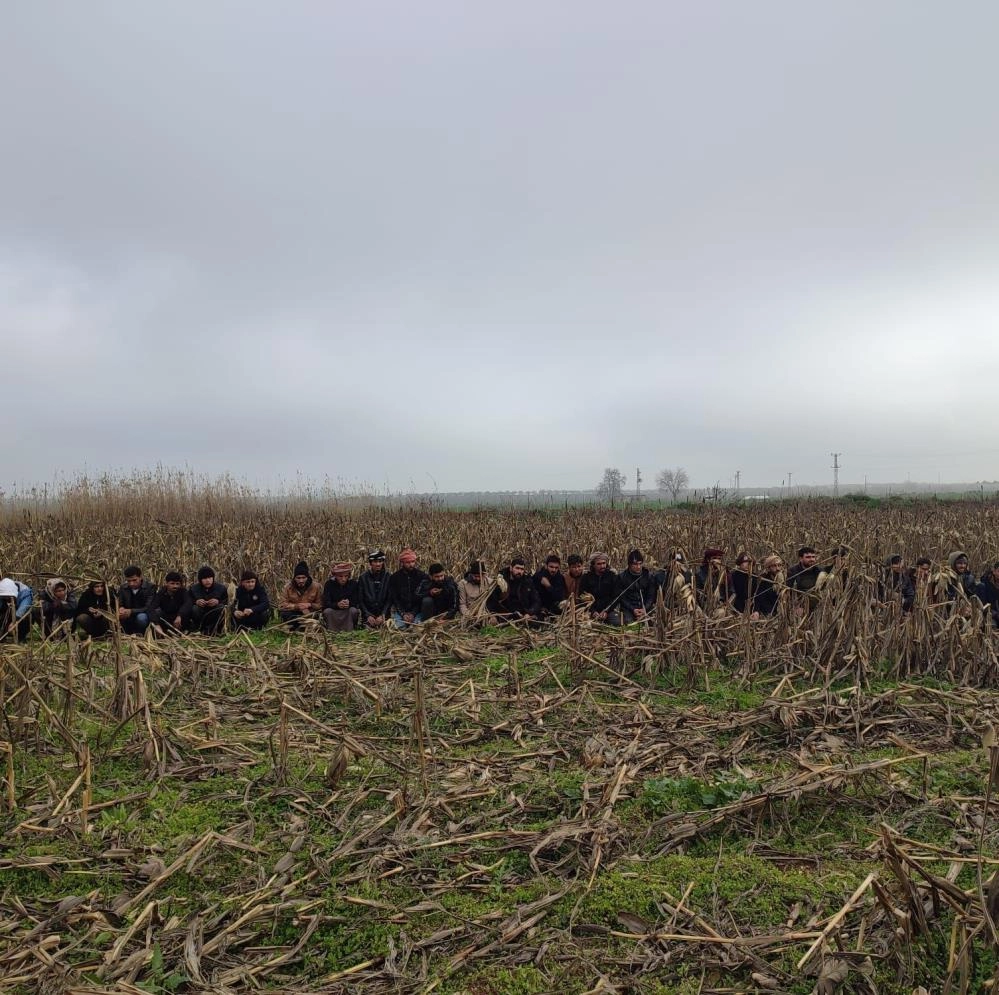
(209, 599)
(301, 597)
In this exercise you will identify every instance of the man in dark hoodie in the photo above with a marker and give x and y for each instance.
(301, 597)
(600, 583)
(210, 599)
(438, 594)
(988, 592)
(711, 580)
(135, 598)
(341, 599)
(637, 589)
(58, 607)
(374, 591)
(404, 600)
(514, 599)
(92, 610)
(896, 582)
(252, 607)
(172, 607)
(549, 582)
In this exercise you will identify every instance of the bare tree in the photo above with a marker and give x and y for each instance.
(611, 486)
(673, 480)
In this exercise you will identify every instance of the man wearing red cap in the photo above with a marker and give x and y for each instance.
(405, 599)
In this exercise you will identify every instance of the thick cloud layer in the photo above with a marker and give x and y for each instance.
(499, 246)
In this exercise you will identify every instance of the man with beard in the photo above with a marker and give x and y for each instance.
(373, 587)
(300, 598)
(404, 600)
(514, 598)
(711, 580)
(438, 594)
(341, 599)
(600, 583)
(252, 606)
(550, 585)
(637, 589)
(172, 607)
(135, 598)
(770, 587)
(744, 583)
(471, 588)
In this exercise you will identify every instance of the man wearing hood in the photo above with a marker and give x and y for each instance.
(172, 607)
(988, 592)
(373, 588)
(210, 599)
(958, 580)
(15, 609)
(301, 597)
(135, 598)
(514, 599)
(637, 589)
(404, 586)
(770, 587)
(92, 610)
(58, 608)
(897, 583)
(600, 583)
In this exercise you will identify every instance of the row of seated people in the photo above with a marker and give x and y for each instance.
(410, 596)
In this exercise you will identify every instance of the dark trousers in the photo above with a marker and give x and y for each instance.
(7, 626)
(255, 621)
(208, 621)
(92, 625)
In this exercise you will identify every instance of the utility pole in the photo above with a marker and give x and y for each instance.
(638, 483)
(738, 476)
(835, 468)
(788, 483)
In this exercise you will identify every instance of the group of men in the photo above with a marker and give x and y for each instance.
(409, 596)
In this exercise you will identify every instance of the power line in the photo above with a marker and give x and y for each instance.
(835, 468)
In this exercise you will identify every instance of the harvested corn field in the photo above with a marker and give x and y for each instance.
(705, 804)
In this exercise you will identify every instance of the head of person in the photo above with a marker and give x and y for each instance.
(553, 565)
(57, 588)
(773, 565)
(341, 572)
(436, 572)
(97, 588)
(133, 577)
(518, 566)
(958, 562)
(173, 581)
(8, 589)
(599, 562)
(206, 577)
(807, 556)
(475, 571)
(895, 563)
(744, 562)
(713, 557)
(248, 580)
(407, 559)
(301, 576)
(575, 565)
(838, 554)
(994, 571)
(376, 561)
(923, 566)
(676, 561)
(636, 561)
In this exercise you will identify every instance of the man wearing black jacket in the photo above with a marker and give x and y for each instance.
(438, 594)
(209, 599)
(637, 589)
(251, 607)
(514, 598)
(341, 599)
(600, 583)
(404, 601)
(549, 582)
(135, 599)
(171, 608)
(374, 591)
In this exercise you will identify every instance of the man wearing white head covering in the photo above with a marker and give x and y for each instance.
(15, 608)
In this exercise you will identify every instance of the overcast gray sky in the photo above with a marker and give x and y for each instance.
(500, 245)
